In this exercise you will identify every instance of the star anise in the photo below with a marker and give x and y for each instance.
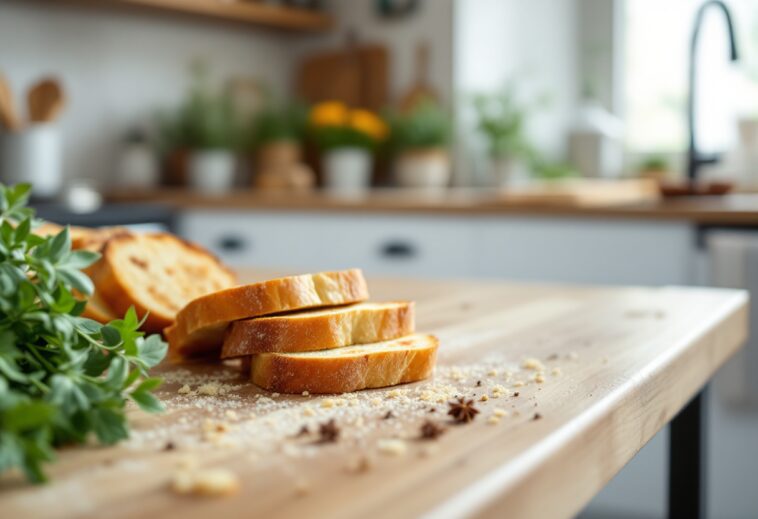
(431, 430)
(462, 410)
(328, 432)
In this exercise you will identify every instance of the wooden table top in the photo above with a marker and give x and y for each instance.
(619, 363)
(730, 210)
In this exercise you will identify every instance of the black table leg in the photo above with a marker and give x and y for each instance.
(687, 461)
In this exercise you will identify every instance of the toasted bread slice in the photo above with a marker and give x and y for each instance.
(341, 370)
(200, 326)
(323, 329)
(98, 310)
(158, 274)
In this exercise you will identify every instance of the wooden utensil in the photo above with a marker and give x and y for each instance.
(45, 100)
(8, 116)
(421, 89)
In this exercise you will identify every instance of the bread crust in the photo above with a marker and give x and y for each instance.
(413, 360)
(120, 293)
(361, 323)
(200, 326)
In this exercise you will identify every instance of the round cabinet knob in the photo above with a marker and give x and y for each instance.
(232, 244)
(398, 250)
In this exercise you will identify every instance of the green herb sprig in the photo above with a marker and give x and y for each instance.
(63, 378)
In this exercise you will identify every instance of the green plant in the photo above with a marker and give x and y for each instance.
(428, 125)
(501, 119)
(204, 120)
(62, 377)
(654, 163)
(278, 121)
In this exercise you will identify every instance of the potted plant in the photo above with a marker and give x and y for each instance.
(205, 128)
(346, 138)
(501, 120)
(655, 167)
(277, 133)
(419, 139)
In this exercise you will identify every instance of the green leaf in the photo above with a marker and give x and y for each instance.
(109, 425)
(147, 401)
(79, 259)
(117, 373)
(151, 350)
(60, 245)
(27, 415)
(76, 279)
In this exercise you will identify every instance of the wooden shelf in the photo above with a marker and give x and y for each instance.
(243, 11)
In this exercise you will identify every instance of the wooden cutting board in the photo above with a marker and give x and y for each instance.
(357, 75)
(618, 364)
(583, 193)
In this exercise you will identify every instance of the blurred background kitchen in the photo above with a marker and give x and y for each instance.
(592, 141)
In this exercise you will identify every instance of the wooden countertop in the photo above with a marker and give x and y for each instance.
(737, 210)
(619, 364)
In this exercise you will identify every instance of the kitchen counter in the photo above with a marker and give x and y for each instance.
(730, 210)
(619, 364)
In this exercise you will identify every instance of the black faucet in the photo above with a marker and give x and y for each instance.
(694, 158)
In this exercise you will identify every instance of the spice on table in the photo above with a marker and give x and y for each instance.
(328, 432)
(462, 410)
(389, 415)
(536, 416)
(431, 430)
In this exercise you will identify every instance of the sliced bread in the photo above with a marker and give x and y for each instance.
(158, 274)
(341, 370)
(200, 326)
(322, 329)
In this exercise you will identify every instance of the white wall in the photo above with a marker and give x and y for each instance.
(118, 67)
(533, 44)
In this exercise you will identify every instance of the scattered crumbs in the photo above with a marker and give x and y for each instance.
(309, 411)
(391, 447)
(484, 398)
(211, 389)
(209, 482)
(497, 388)
(556, 372)
(518, 383)
(327, 403)
(395, 393)
(539, 378)
(533, 364)
(231, 414)
(275, 395)
(500, 413)
(306, 393)
(376, 401)
(537, 416)
(493, 420)
(184, 390)
(492, 373)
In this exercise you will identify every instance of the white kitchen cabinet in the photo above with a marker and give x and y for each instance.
(380, 244)
(575, 250)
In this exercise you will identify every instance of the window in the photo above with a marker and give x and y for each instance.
(657, 39)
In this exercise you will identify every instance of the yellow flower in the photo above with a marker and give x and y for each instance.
(329, 113)
(368, 123)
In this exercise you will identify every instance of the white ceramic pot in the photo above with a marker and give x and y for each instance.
(507, 171)
(33, 155)
(347, 170)
(426, 168)
(748, 131)
(211, 171)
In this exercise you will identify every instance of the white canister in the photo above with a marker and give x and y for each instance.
(425, 168)
(33, 155)
(211, 171)
(508, 171)
(347, 169)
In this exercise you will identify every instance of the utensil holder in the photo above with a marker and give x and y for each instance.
(33, 155)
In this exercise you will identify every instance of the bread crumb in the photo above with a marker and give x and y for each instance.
(499, 412)
(376, 402)
(499, 389)
(394, 393)
(556, 372)
(209, 389)
(184, 390)
(274, 395)
(493, 420)
(306, 393)
(534, 364)
(231, 414)
(392, 447)
(327, 403)
(484, 398)
(518, 383)
(539, 378)
(211, 482)
(309, 411)
(492, 373)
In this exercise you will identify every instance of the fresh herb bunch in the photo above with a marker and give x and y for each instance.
(427, 125)
(62, 377)
(278, 121)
